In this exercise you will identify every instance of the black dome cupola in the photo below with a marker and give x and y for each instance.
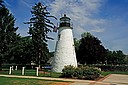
(65, 21)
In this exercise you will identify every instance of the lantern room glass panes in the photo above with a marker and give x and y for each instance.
(65, 21)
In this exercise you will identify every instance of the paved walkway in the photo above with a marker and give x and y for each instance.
(116, 79)
(113, 79)
(49, 78)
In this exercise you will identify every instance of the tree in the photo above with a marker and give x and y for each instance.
(8, 34)
(77, 44)
(115, 57)
(23, 52)
(121, 57)
(90, 50)
(1, 3)
(40, 25)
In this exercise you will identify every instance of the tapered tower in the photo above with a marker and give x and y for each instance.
(64, 51)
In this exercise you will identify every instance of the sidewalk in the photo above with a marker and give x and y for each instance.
(113, 79)
(117, 79)
(49, 78)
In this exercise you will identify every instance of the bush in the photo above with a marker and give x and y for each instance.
(68, 71)
(80, 72)
(123, 68)
(91, 73)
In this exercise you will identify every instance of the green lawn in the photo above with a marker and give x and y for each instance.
(21, 81)
(105, 73)
(24, 81)
(32, 72)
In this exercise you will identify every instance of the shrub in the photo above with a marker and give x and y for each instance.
(91, 73)
(123, 68)
(81, 72)
(68, 71)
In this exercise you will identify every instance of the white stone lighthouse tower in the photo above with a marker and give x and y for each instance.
(65, 51)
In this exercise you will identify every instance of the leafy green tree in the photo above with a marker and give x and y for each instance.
(120, 57)
(115, 57)
(1, 3)
(8, 34)
(126, 59)
(40, 25)
(23, 51)
(90, 50)
(76, 43)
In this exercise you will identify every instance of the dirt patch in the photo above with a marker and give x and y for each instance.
(42, 72)
(61, 83)
(44, 82)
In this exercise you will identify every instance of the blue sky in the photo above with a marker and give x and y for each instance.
(105, 19)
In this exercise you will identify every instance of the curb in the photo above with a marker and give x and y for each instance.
(100, 81)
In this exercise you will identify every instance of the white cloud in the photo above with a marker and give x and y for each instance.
(112, 30)
(6, 3)
(26, 3)
(98, 30)
(80, 12)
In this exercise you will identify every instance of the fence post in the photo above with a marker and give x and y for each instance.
(23, 70)
(10, 70)
(37, 71)
(16, 68)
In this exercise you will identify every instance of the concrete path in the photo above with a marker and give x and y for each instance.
(49, 78)
(113, 79)
(116, 79)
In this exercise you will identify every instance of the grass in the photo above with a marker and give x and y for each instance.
(32, 72)
(25, 81)
(105, 73)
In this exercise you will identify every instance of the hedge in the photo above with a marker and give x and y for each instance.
(123, 68)
(90, 73)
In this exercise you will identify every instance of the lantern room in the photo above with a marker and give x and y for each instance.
(65, 21)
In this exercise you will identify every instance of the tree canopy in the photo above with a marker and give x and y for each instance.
(1, 3)
(90, 50)
(115, 57)
(40, 26)
(8, 34)
(23, 51)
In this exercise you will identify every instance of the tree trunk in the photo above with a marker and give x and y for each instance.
(39, 60)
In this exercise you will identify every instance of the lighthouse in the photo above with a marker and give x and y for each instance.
(64, 51)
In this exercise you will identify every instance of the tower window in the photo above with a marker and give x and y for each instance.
(59, 37)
